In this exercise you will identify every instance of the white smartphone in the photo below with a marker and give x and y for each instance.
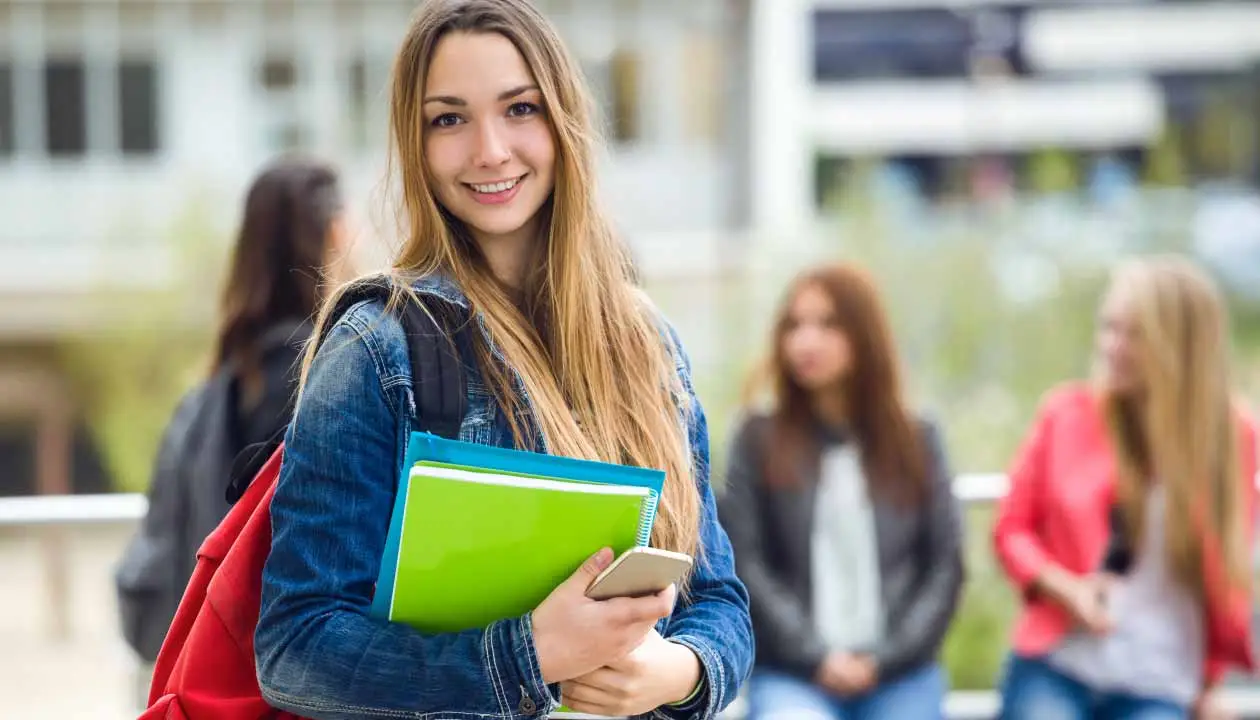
(640, 571)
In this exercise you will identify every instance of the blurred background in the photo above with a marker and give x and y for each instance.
(989, 160)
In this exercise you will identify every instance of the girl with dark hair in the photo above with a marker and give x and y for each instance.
(292, 234)
(839, 508)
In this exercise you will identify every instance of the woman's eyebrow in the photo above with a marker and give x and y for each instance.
(460, 102)
(519, 90)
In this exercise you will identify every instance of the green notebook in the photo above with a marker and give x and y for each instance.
(477, 547)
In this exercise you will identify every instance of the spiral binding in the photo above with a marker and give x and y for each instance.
(647, 518)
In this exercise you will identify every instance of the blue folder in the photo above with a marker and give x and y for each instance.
(424, 446)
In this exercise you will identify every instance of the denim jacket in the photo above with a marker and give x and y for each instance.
(320, 655)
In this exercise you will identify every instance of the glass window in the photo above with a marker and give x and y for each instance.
(6, 108)
(278, 74)
(703, 85)
(137, 107)
(65, 107)
(624, 72)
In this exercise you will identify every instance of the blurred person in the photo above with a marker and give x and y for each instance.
(292, 233)
(492, 139)
(840, 508)
(1127, 525)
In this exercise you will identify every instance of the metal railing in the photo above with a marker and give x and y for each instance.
(124, 509)
(50, 514)
(71, 510)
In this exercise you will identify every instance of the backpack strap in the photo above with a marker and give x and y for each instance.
(437, 372)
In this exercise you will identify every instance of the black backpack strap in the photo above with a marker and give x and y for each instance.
(437, 372)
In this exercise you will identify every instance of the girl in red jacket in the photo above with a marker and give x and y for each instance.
(1127, 525)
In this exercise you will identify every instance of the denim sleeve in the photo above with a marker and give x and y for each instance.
(319, 654)
(713, 620)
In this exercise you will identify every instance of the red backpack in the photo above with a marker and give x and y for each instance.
(206, 668)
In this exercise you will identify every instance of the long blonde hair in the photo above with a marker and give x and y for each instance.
(592, 355)
(1186, 430)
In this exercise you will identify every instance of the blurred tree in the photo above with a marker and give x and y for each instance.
(1165, 165)
(1052, 171)
(1224, 137)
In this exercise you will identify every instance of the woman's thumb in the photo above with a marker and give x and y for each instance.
(595, 564)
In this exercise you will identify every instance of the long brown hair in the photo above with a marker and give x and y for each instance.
(1186, 430)
(276, 269)
(893, 454)
(599, 372)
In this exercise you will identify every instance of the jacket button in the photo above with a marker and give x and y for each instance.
(528, 706)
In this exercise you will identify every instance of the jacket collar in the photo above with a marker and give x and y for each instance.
(439, 284)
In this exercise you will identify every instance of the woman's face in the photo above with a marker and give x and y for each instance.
(817, 352)
(1117, 344)
(488, 143)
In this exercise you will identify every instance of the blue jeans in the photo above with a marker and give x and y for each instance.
(1033, 690)
(916, 696)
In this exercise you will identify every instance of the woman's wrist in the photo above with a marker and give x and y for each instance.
(1055, 583)
(690, 674)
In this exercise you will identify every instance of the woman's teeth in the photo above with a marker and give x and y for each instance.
(496, 187)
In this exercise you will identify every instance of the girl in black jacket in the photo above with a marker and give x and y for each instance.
(845, 529)
(292, 238)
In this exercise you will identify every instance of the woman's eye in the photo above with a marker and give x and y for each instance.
(446, 120)
(523, 109)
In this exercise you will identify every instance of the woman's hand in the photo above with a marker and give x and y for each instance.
(1208, 707)
(1087, 602)
(574, 635)
(847, 675)
(655, 673)
(1085, 598)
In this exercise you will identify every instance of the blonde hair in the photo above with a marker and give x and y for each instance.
(592, 356)
(1187, 431)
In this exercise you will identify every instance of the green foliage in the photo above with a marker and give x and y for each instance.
(1222, 138)
(1165, 166)
(977, 641)
(1053, 171)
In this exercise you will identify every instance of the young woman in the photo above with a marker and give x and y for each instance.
(843, 520)
(1128, 522)
(293, 243)
(491, 128)
(292, 235)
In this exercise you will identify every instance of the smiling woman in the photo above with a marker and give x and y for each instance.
(489, 145)
(493, 148)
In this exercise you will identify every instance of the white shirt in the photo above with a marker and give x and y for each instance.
(1157, 647)
(847, 606)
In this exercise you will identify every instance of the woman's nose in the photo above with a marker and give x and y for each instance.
(492, 146)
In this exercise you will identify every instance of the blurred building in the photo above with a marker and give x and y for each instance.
(130, 127)
(959, 94)
(127, 126)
